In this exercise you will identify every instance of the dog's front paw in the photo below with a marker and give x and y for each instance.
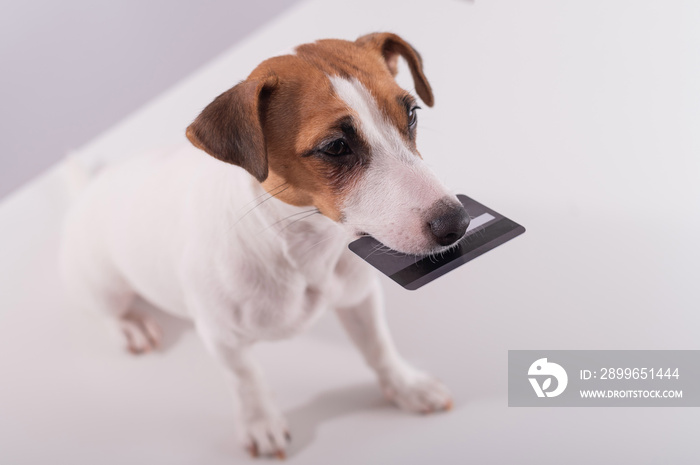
(415, 391)
(266, 435)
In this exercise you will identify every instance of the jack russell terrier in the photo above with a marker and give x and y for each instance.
(312, 150)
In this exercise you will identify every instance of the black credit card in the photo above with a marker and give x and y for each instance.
(487, 230)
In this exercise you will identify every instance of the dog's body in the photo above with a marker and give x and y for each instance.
(275, 271)
(327, 142)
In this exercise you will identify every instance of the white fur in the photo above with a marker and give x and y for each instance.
(396, 175)
(201, 239)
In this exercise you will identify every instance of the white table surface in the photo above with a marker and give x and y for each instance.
(580, 120)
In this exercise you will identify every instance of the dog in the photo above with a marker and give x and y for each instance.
(245, 230)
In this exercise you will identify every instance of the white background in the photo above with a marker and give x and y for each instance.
(73, 68)
(578, 120)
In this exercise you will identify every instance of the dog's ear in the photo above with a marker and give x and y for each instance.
(390, 46)
(231, 127)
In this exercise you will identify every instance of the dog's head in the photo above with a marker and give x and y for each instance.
(329, 127)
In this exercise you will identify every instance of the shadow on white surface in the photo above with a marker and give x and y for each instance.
(329, 406)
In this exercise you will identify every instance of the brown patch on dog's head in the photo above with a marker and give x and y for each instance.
(285, 125)
(390, 46)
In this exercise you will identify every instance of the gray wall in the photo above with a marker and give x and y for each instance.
(71, 69)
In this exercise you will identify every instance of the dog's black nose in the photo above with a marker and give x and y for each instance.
(450, 225)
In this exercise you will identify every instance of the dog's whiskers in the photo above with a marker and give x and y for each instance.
(374, 249)
(262, 195)
(331, 236)
(314, 212)
(258, 204)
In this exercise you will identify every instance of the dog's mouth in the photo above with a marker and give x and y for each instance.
(413, 229)
(433, 250)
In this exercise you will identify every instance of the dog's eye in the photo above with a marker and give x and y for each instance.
(337, 148)
(412, 117)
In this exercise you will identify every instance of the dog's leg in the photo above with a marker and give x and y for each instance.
(103, 290)
(260, 427)
(409, 388)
